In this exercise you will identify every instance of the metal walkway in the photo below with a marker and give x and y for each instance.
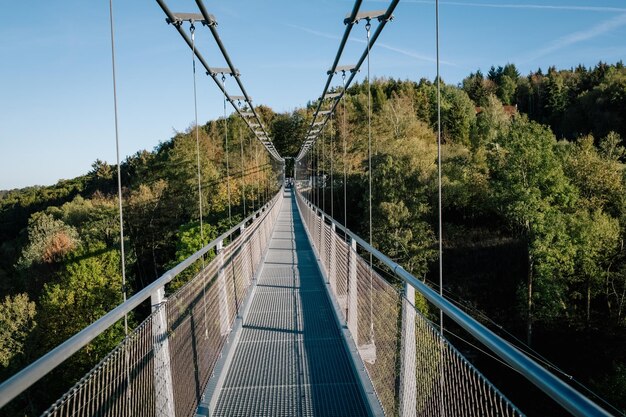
(290, 359)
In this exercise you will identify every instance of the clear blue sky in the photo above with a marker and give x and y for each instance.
(56, 107)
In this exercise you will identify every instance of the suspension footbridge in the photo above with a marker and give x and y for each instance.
(293, 315)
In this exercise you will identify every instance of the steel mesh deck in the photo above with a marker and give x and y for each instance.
(290, 359)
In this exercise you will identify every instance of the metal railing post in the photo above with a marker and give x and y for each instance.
(332, 261)
(320, 221)
(353, 310)
(247, 275)
(223, 292)
(258, 249)
(322, 247)
(408, 384)
(163, 388)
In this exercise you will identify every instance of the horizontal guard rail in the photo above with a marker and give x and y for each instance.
(21, 381)
(569, 398)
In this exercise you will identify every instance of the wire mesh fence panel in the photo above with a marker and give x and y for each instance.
(378, 330)
(318, 232)
(163, 366)
(326, 235)
(446, 383)
(340, 287)
(194, 335)
(227, 286)
(120, 385)
(240, 282)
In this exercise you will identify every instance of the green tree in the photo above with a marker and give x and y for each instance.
(611, 147)
(531, 191)
(402, 170)
(596, 173)
(505, 79)
(88, 286)
(556, 100)
(189, 241)
(49, 240)
(596, 236)
(181, 171)
(458, 114)
(506, 89)
(422, 98)
(478, 88)
(465, 182)
(95, 219)
(17, 320)
(490, 122)
(400, 232)
(102, 176)
(605, 103)
(288, 129)
(151, 220)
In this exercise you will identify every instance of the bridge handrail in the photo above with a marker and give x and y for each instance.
(569, 398)
(22, 380)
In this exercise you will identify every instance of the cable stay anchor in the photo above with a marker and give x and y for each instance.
(380, 15)
(232, 99)
(214, 71)
(329, 96)
(179, 18)
(342, 68)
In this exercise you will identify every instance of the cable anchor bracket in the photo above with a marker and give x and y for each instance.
(213, 71)
(342, 68)
(380, 15)
(179, 18)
